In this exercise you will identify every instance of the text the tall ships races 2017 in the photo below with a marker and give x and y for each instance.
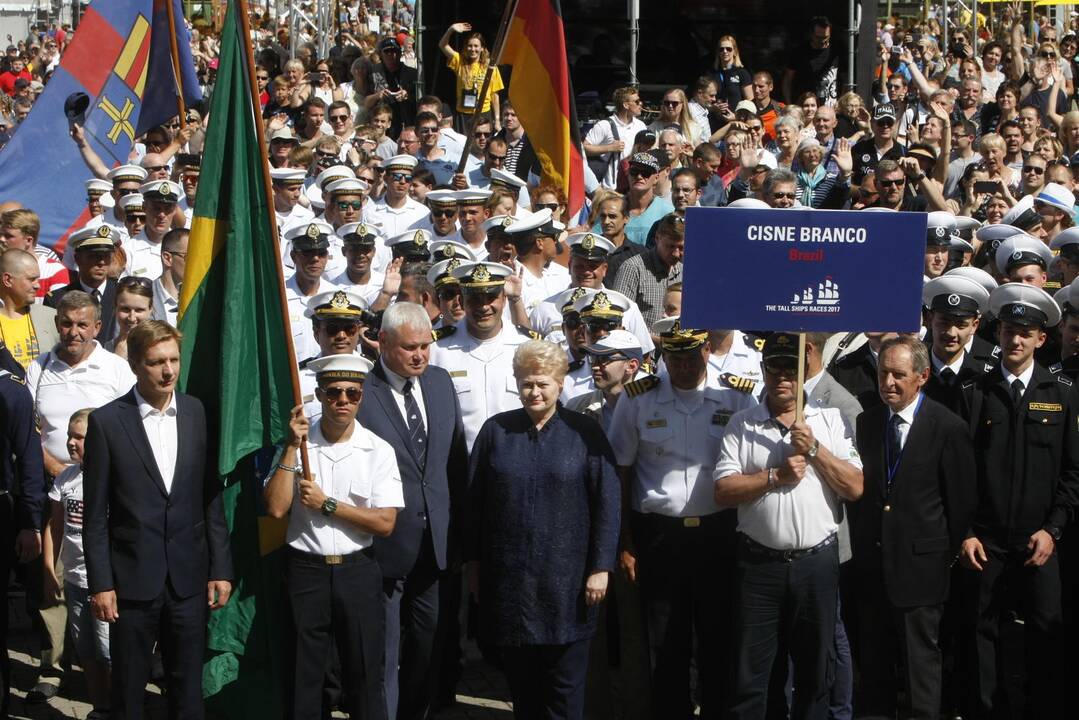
(805, 234)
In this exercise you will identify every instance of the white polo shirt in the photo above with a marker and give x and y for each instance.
(361, 471)
(60, 390)
(791, 517)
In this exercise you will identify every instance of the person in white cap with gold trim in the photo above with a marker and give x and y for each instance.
(536, 240)
(478, 355)
(397, 211)
(361, 242)
(442, 220)
(336, 319)
(472, 215)
(309, 245)
(287, 185)
(334, 583)
(159, 199)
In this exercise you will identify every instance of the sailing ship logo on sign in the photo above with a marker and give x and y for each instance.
(825, 295)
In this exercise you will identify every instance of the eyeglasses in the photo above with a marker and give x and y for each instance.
(642, 172)
(671, 103)
(334, 394)
(349, 328)
(899, 182)
(780, 368)
(784, 195)
(481, 134)
(131, 281)
(427, 130)
(338, 118)
(346, 204)
(552, 206)
(444, 212)
(1034, 169)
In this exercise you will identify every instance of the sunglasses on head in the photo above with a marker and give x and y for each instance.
(333, 394)
(135, 281)
(401, 177)
(346, 204)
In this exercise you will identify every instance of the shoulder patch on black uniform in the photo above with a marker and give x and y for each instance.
(529, 332)
(969, 384)
(639, 387)
(1064, 380)
(443, 332)
(987, 368)
(996, 351)
(1055, 368)
(738, 383)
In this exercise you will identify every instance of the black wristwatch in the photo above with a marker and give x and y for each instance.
(329, 506)
(1054, 532)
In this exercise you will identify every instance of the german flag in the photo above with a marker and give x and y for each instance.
(542, 94)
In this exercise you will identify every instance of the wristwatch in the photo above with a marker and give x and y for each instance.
(329, 506)
(1054, 532)
(812, 452)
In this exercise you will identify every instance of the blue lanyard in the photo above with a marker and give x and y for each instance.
(894, 466)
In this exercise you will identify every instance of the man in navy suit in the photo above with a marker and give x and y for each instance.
(154, 534)
(413, 406)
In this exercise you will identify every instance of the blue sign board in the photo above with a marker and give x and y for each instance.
(803, 270)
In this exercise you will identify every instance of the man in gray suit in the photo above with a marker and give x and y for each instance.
(413, 406)
(822, 388)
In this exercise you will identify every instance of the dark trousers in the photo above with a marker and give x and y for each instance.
(411, 609)
(684, 574)
(343, 602)
(1003, 584)
(547, 681)
(7, 561)
(179, 626)
(791, 603)
(900, 660)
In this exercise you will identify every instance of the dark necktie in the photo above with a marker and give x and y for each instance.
(1017, 393)
(417, 435)
(895, 445)
(947, 376)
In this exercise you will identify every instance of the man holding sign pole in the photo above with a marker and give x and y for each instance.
(786, 475)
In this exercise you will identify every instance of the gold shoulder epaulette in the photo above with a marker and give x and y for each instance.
(443, 332)
(738, 383)
(639, 387)
(529, 333)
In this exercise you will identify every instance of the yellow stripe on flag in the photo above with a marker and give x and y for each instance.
(272, 533)
(205, 242)
(132, 47)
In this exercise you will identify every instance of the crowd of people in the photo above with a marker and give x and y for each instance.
(508, 434)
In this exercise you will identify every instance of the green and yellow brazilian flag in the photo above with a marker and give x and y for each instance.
(235, 359)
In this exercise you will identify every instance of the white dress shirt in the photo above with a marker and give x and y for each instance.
(1025, 377)
(361, 471)
(397, 384)
(143, 257)
(161, 433)
(906, 416)
(792, 517)
(303, 333)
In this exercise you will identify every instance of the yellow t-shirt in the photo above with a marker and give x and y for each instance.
(20, 338)
(470, 79)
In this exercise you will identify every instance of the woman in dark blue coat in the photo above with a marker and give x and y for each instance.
(543, 533)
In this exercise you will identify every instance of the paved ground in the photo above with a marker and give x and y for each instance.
(483, 694)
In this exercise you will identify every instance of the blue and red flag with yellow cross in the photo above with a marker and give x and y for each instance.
(121, 58)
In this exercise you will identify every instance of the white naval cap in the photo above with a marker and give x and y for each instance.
(446, 249)
(1020, 250)
(341, 303)
(481, 276)
(1027, 305)
(122, 173)
(288, 176)
(334, 172)
(603, 304)
(345, 186)
(400, 162)
(955, 295)
(131, 201)
(1022, 215)
(165, 191)
(977, 275)
(617, 342)
(411, 244)
(347, 366)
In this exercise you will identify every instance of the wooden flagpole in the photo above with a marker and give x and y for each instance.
(799, 390)
(170, 11)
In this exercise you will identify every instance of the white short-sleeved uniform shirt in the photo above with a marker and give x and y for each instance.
(143, 256)
(303, 333)
(67, 491)
(361, 471)
(671, 438)
(794, 517)
(482, 374)
(535, 290)
(60, 390)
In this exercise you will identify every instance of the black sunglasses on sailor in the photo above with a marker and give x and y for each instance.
(333, 394)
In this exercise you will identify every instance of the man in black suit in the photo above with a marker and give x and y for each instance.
(857, 370)
(413, 406)
(94, 248)
(154, 534)
(919, 498)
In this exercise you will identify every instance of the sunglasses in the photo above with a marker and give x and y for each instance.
(135, 218)
(572, 322)
(444, 212)
(400, 177)
(547, 206)
(126, 191)
(427, 130)
(190, 177)
(135, 281)
(262, 77)
(601, 325)
(1033, 169)
(155, 168)
(346, 204)
(754, 128)
(481, 134)
(637, 171)
(349, 328)
(1047, 55)
(326, 155)
(601, 360)
(334, 394)
(338, 118)
(671, 103)
(496, 158)
(885, 122)
(784, 195)
(725, 49)
(893, 183)
(448, 293)
(781, 368)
